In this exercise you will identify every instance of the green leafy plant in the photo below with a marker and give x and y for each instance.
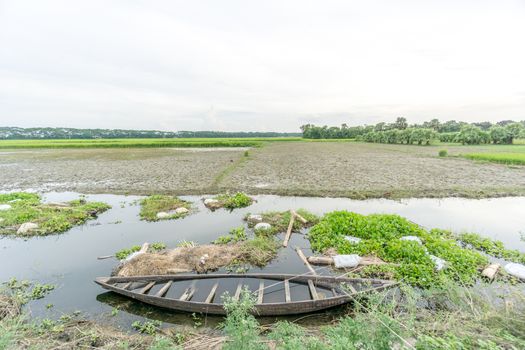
(152, 205)
(49, 219)
(234, 201)
(443, 153)
(147, 327)
(235, 235)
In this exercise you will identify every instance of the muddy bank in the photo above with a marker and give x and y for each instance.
(343, 169)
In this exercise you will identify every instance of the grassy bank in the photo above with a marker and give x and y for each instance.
(504, 158)
(407, 318)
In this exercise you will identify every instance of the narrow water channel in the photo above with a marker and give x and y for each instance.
(70, 260)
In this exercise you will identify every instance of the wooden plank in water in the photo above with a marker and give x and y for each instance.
(313, 291)
(287, 291)
(289, 231)
(260, 296)
(164, 289)
(238, 291)
(147, 288)
(305, 261)
(209, 299)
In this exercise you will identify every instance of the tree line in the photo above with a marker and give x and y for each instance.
(15, 133)
(503, 132)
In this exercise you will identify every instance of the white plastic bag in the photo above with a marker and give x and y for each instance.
(516, 270)
(351, 260)
(412, 238)
(352, 239)
(439, 263)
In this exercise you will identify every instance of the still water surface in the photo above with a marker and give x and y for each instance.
(70, 260)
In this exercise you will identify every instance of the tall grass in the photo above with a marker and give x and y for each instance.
(504, 158)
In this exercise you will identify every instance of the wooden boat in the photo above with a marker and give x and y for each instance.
(276, 294)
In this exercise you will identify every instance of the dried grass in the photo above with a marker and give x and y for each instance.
(182, 259)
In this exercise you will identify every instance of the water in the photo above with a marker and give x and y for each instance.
(70, 260)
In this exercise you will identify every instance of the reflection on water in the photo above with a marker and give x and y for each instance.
(70, 260)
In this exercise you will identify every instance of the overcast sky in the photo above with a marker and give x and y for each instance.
(258, 65)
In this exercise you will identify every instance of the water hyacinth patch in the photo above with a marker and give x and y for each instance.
(26, 215)
(384, 236)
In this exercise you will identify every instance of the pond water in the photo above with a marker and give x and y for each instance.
(70, 260)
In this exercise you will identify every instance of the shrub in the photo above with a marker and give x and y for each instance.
(443, 153)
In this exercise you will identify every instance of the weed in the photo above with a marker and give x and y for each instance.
(124, 253)
(147, 327)
(235, 235)
(25, 291)
(155, 204)
(186, 244)
(240, 326)
(49, 219)
(443, 153)
(279, 221)
(410, 261)
(259, 250)
(233, 201)
(491, 247)
(505, 158)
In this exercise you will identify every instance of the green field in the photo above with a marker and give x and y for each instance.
(505, 158)
(161, 142)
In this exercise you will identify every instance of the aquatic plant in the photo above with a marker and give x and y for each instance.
(494, 248)
(124, 253)
(24, 291)
(443, 153)
(44, 218)
(235, 235)
(279, 221)
(154, 204)
(410, 261)
(233, 201)
(147, 327)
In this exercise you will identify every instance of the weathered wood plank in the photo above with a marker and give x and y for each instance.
(210, 297)
(289, 231)
(351, 287)
(238, 291)
(127, 285)
(313, 291)
(260, 296)
(287, 297)
(303, 258)
(334, 292)
(188, 293)
(164, 289)
(147, 288)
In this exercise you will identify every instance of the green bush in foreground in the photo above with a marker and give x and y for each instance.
(234, 201)
(410, 261)
(152, 205)
(447, 318)
(28, 208)
(443, 153)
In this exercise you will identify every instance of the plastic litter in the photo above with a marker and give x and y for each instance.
(412, 238)
(352, 239)
(351, 260)
(516, 270)
(440, 263)
(262, 226)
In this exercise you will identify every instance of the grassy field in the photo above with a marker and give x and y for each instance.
(129, 143)
(505, 158)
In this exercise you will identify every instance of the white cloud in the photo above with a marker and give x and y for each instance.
(267, 65)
